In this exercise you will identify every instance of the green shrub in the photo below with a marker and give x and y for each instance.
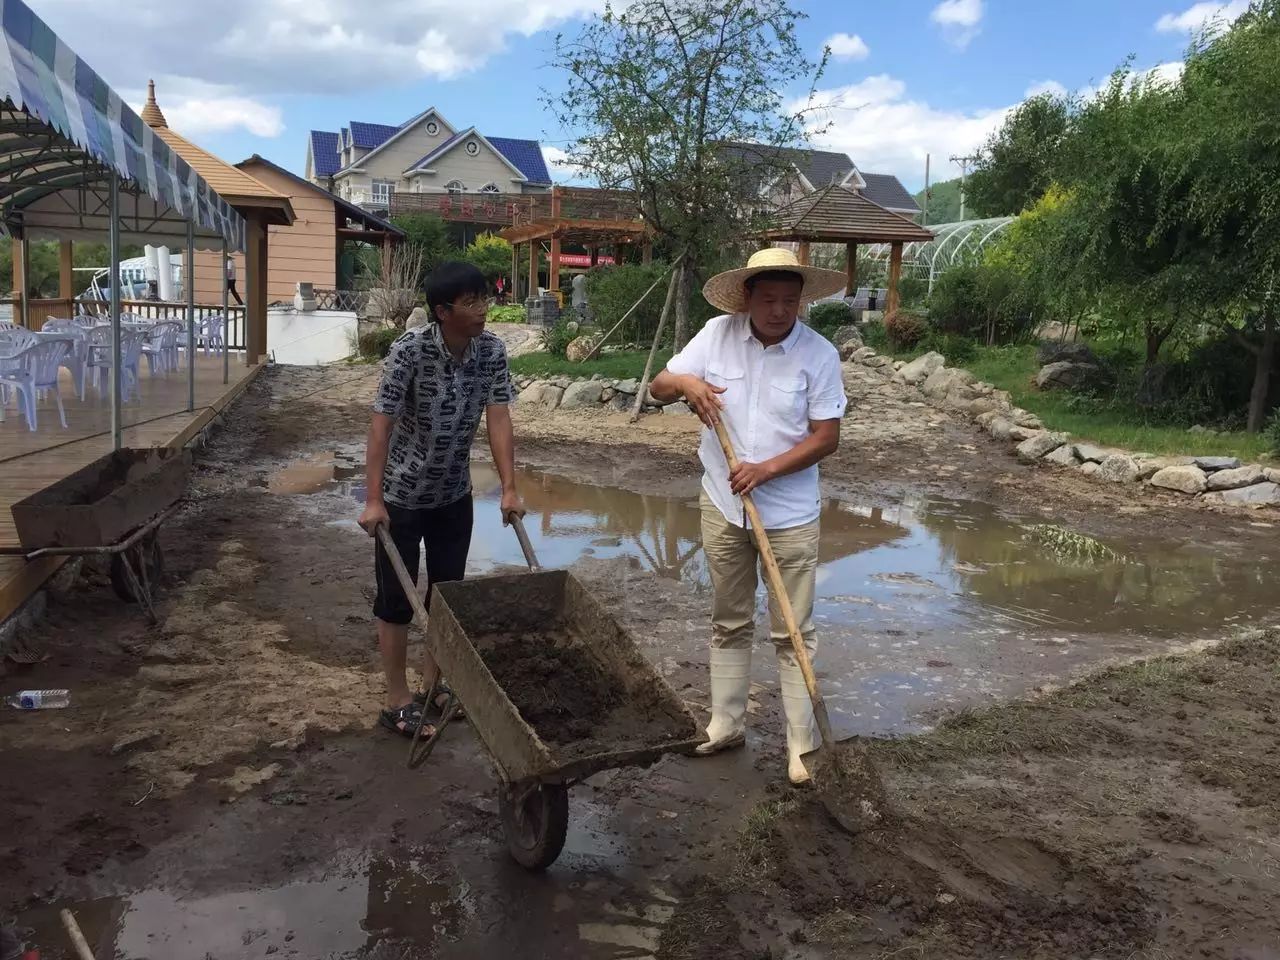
(511, 313)
(556, 338)
(983, 300)
(875, 336)
(905, 329)
(958, 349)
(1272, 433)
(375, 344)
(827, 317)
(613, 290)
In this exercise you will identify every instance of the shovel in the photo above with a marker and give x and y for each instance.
(842, 773)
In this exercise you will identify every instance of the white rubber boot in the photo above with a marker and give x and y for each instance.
(730, 685)
(801, 730)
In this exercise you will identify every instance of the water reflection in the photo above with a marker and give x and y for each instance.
(360, 909)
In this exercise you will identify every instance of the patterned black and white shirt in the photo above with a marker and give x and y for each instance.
(437, 402)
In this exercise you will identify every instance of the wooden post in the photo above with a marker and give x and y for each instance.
(16, 256)
(553, 270)
(851, 269)
(255, 301)
(676, 270)
(533, 269)
(513, 287)
(803, 253)
(895, 273)
(595, 255)
(646, 255)
(66, 274)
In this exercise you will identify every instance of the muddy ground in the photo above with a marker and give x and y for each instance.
(220, 787)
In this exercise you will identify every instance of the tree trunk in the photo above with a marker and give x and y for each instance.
(683, 293)
(1262, 376)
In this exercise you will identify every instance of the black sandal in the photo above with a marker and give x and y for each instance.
(405, 721)
(432, 701)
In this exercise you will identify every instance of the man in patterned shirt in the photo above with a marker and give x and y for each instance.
(436, 382)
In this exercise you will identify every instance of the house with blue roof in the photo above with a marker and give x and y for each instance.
(368, 163)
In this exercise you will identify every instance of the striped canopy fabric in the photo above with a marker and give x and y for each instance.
(91, 130)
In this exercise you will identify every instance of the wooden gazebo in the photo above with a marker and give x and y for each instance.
(838, 214)
(583, 215)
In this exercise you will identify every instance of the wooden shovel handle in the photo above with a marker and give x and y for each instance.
(774, 577)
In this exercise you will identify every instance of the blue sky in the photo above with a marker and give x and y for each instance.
(912, 76)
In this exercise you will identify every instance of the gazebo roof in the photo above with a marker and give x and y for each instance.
(838, 214)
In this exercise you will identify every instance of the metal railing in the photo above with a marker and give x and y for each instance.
(41, 310)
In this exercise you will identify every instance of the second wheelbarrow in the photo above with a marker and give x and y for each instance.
(555, 689)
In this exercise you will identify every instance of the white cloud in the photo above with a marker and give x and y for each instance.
(905, 129)
(1051, 87)
(848, 46)
(960, 20)
(1165, 73)
(562, 171)
(1213, 16)
(196, 109)
(266, 48)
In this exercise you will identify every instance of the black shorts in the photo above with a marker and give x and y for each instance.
(447, 533)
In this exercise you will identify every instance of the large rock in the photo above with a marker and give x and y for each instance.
(542, 393)
(1090, 469)
(582, 395)
(1272, 474)
(1209, 464)
(1088, 451)
(1050, 353)
(578, 348)
(1064, 456)
(1119, 468)
(1018, 434)
(630, 387)
(680, 408)
(941, 382)
(1233, 479)
(417, 318)
(1188, 479)
(1033, 448)
(1067, 376)
(1265, 494)
(921, 368)
(986, 419)
(1149, 466)
(621, 402)
(980, 406)
(877, 362)
(861, 353)
(1025, 418)
(1000, 428)
(846, 334)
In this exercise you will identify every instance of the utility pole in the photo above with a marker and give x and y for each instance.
(924, 215)
(965, 163)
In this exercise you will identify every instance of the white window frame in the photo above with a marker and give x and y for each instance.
(381, 191)
(455, 186)
(490, 187)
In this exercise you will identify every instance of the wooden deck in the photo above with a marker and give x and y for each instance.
(30, 460)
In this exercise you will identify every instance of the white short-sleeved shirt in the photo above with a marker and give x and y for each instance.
(771, 394)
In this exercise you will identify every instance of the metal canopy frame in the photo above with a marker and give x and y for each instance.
(954, 243)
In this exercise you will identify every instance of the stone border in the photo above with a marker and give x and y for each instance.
(593, 393)
(955, 390)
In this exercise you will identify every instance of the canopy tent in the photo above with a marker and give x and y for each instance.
(64, 135)
(77, 163)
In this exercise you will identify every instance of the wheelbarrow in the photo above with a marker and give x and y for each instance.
(112, 507)
(469, 632)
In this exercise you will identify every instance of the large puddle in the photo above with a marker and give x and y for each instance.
(921, 605)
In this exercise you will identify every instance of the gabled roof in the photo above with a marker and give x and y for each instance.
(888, 191)
(837, 214)
(370, 136)
(398, 132)
(324, 153)
(526, 155)
(452, 144)
(352, 211)
(820, 168)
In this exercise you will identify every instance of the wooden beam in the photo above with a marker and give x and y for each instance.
(255, 301)
(66, 274)
(895, 274)
(803, 253)
(595, 255)
(851, 269)
(16, 254)
(533, 270)
(646, 255)
(553, 270)
(513, 285)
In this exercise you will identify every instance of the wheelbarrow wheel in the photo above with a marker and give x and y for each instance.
(535, 821)
(146, 554)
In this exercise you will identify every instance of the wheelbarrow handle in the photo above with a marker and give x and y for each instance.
(526, 547)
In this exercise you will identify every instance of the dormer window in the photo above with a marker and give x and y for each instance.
(473, 148)
(433, 128)
(490, 188)
(456, 186)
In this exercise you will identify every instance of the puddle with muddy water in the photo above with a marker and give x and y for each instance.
(921, 605)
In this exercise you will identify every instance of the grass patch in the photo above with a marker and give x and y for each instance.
(621, 365)
(755, 839)
(1014, 368)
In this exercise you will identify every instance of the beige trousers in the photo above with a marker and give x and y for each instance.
(733, 557)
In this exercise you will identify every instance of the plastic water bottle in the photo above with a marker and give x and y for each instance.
(39, 699)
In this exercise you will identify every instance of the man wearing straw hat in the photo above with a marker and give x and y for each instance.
(777, 386)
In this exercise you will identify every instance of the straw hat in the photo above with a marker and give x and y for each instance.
(726, 291)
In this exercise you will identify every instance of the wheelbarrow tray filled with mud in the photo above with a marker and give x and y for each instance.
(555, 689)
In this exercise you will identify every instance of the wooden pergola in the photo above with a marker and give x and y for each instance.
(586, 216)
(837, 214)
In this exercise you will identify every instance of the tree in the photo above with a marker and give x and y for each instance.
(491, 254)
(1020, 161)
(656, 86)
(429, 237)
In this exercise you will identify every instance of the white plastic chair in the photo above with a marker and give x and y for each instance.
(34, 370)
(160, 347)
(76, 361)
(100, 359)
(13, 340)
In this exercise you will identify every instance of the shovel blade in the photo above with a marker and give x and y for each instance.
(848, 785)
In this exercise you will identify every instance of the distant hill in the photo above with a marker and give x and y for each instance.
(944, 201)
